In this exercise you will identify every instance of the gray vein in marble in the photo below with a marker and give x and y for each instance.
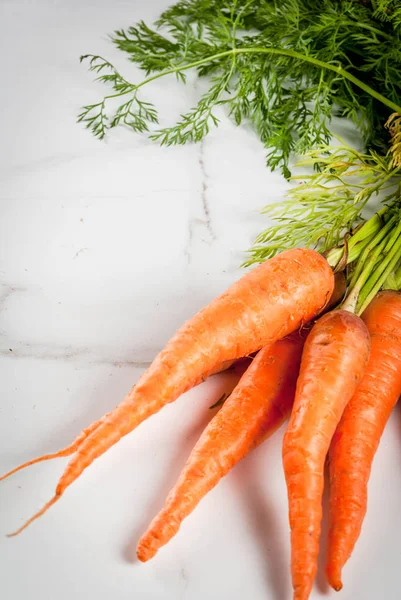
(60, 196)
(64, 158)
(68, 353)
(39, 163)
(204, 225)
(204, 192)
(80, 250)
(6, 291)
(184, 577)
(188, 246)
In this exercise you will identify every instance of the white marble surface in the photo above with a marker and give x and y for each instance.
(105, 248)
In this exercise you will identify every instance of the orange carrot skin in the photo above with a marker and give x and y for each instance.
(358, 435)
(333, 361)
(258, 405)
(268, 303)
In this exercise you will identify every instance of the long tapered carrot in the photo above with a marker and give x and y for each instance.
(85, 433)
(258, 405)
(334, 359)
(268, 303)
(358, 434)
(238, 366)
(267, 391)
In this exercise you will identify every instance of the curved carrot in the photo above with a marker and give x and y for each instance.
(85, 433)
(239, 366)
(258, 405)
(334, 359)
(358, 435)
(268, 303)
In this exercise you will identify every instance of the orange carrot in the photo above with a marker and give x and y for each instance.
(268, 303)
(266, 393)
(258, 405)
(74, 446)
(334, 359)
(358, 435)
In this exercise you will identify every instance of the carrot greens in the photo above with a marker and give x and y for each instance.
(320, 210)
(285, 69)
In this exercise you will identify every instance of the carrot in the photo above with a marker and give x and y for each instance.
(74, 446)
(358, 435)
(268, 303)
(258, 405)
(334, 359)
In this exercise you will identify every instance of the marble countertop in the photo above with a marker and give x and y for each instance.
(105, 249)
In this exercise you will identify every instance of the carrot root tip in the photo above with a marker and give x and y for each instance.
(142, 556)
(145, 553)
(335, 581)
(35, 516)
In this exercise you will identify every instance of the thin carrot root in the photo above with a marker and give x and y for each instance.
(36, 515)
(67, 451)
(74, 447)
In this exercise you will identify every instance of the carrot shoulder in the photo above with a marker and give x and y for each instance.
(358, 434)
(258, 405)
(268, 303)
(334, 359)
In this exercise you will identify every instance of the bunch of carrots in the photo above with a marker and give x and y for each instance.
(326, 331)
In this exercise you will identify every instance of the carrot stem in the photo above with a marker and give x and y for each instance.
(368, 265)
(233, 52)
(358, 241)
(393, 281)
(377, 261)
(386, 268)
(368, 249)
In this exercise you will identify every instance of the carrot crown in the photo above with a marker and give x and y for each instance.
(372, 258)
